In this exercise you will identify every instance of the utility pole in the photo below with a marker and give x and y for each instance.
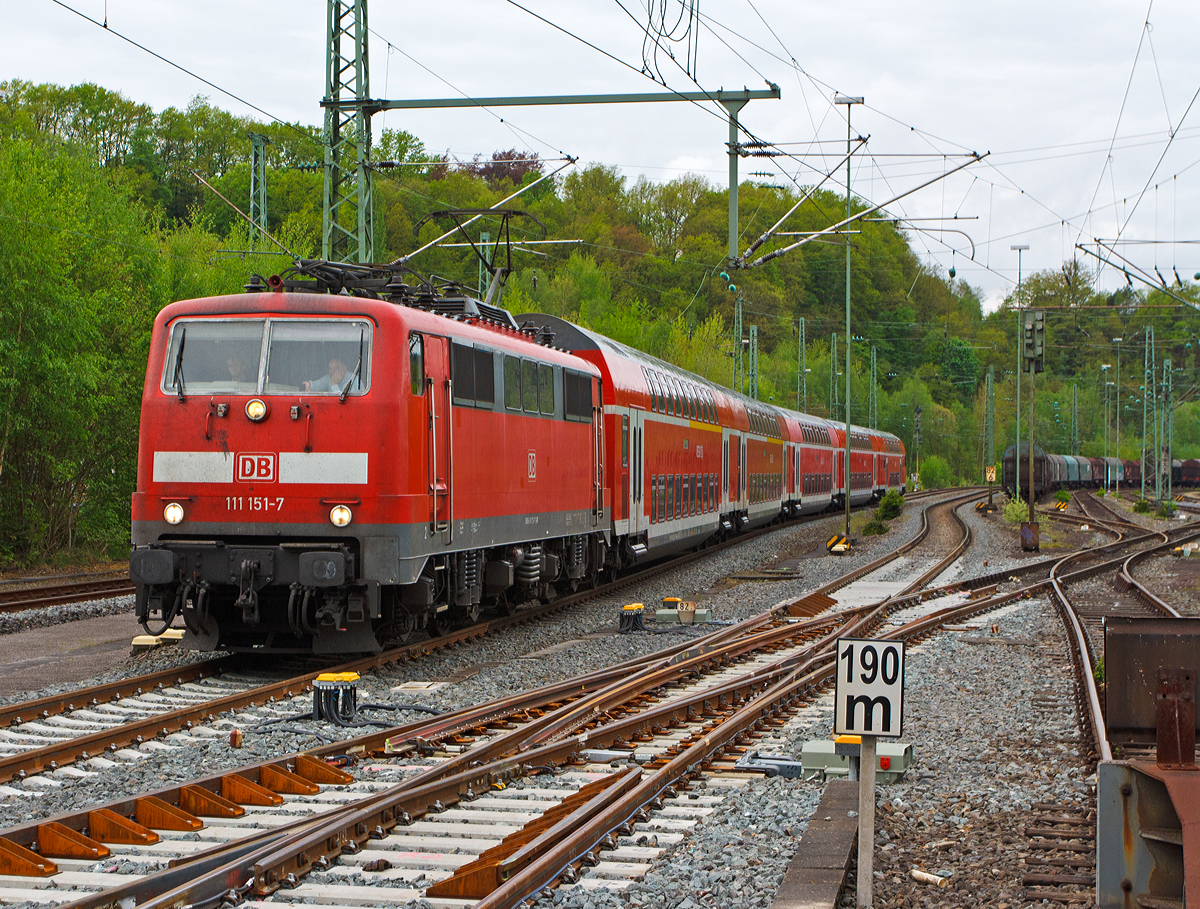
(990, 426)
(1074, 418)
(874, 397)
(484, 239)
(1033, 351)
(1168, 424)
(754, 362)
(258, 183)
(348, 223)
(850, 101)
(834, 404)
(1147, 389)
(802, 371)
(739, 370)
(1020, 249)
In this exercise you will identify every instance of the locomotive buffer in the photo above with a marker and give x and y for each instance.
(868, 702)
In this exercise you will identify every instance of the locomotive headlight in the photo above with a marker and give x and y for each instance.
(340, 515)
(173, 513)
(256, 410)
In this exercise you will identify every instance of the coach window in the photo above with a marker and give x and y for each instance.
(670, 498)
(625, 440)
(416, 363)
(512, 383)
(678, 494)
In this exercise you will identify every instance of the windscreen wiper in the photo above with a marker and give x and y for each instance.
(179, 365)
(357, 367)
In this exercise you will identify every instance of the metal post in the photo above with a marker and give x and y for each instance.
(348, 224)
(1020, 249)
(1117, 413)
(739, 371)
(1032, 516)
(754, 362)
(1168, 422)
(258, 183)
(866, 822)
(1147, 382)
(834, 404)
(874, 398)
(1074, 418)
(485, 239)
(802, 372)
(849, 102)
(989, 432)
(735, 149)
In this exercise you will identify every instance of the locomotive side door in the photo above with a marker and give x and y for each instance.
(438, 395)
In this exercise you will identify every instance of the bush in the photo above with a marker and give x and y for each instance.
(1016, 511)
(935, 473)
(1100, 492)
(874, 527)
(890, 505)
(1098, 671)
(1165, 509)
(1062, 496)
(1141, 506)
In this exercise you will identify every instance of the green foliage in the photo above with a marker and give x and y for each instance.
(1061, 496)
(1165, 509)
(890, 505)
(1098, 672)
(1141, 506)
(1016, 511)
(874, 527)
(935, 473)
(102, 222)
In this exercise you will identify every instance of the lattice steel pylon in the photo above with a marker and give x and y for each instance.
(258, 183)
(347, 227)
(754, 362)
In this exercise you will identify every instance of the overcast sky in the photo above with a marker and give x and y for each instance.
(1040, 85)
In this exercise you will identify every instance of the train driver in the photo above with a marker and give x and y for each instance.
(336, 380)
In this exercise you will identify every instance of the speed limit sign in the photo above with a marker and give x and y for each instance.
(869, 698)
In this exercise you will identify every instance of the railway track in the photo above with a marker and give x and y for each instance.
(50, 733)
(1063, 842)
(39, 596)
(769, 649)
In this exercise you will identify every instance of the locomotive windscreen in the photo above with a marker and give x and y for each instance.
(273, 356)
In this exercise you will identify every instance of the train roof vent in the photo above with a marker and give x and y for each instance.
(466, 306)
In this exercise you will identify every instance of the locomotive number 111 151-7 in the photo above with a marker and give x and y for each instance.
(254, 503)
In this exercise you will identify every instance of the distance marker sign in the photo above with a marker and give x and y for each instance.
(869, 697)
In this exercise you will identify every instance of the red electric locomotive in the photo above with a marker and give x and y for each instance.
(326, 472)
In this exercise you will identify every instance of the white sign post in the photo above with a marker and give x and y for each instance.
(868, 702)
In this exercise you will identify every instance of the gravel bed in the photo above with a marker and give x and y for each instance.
(44, 617)
(505, 664)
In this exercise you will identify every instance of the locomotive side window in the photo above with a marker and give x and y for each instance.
(529, 386)
(207, 357)
(485, 378)
(473, 375)
(577, 396)
(546, 388)
(318, 357)
(416, 363)
(512, 383)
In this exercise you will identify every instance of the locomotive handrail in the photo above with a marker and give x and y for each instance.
(449, 458)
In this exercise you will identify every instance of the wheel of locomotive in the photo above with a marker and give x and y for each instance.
(472, 613)
(401, 631)
(593, 576)
(503, 606)
(436, 626)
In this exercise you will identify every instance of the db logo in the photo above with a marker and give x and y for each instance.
(256, 467)
(533, 465)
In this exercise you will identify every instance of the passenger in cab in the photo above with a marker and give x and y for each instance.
(336, 381)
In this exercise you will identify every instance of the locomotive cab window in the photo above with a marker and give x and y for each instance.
(207, 357)
(305, 356)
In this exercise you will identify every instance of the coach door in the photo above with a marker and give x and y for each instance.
(438, 394)
(734, 474)
(637, 461)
